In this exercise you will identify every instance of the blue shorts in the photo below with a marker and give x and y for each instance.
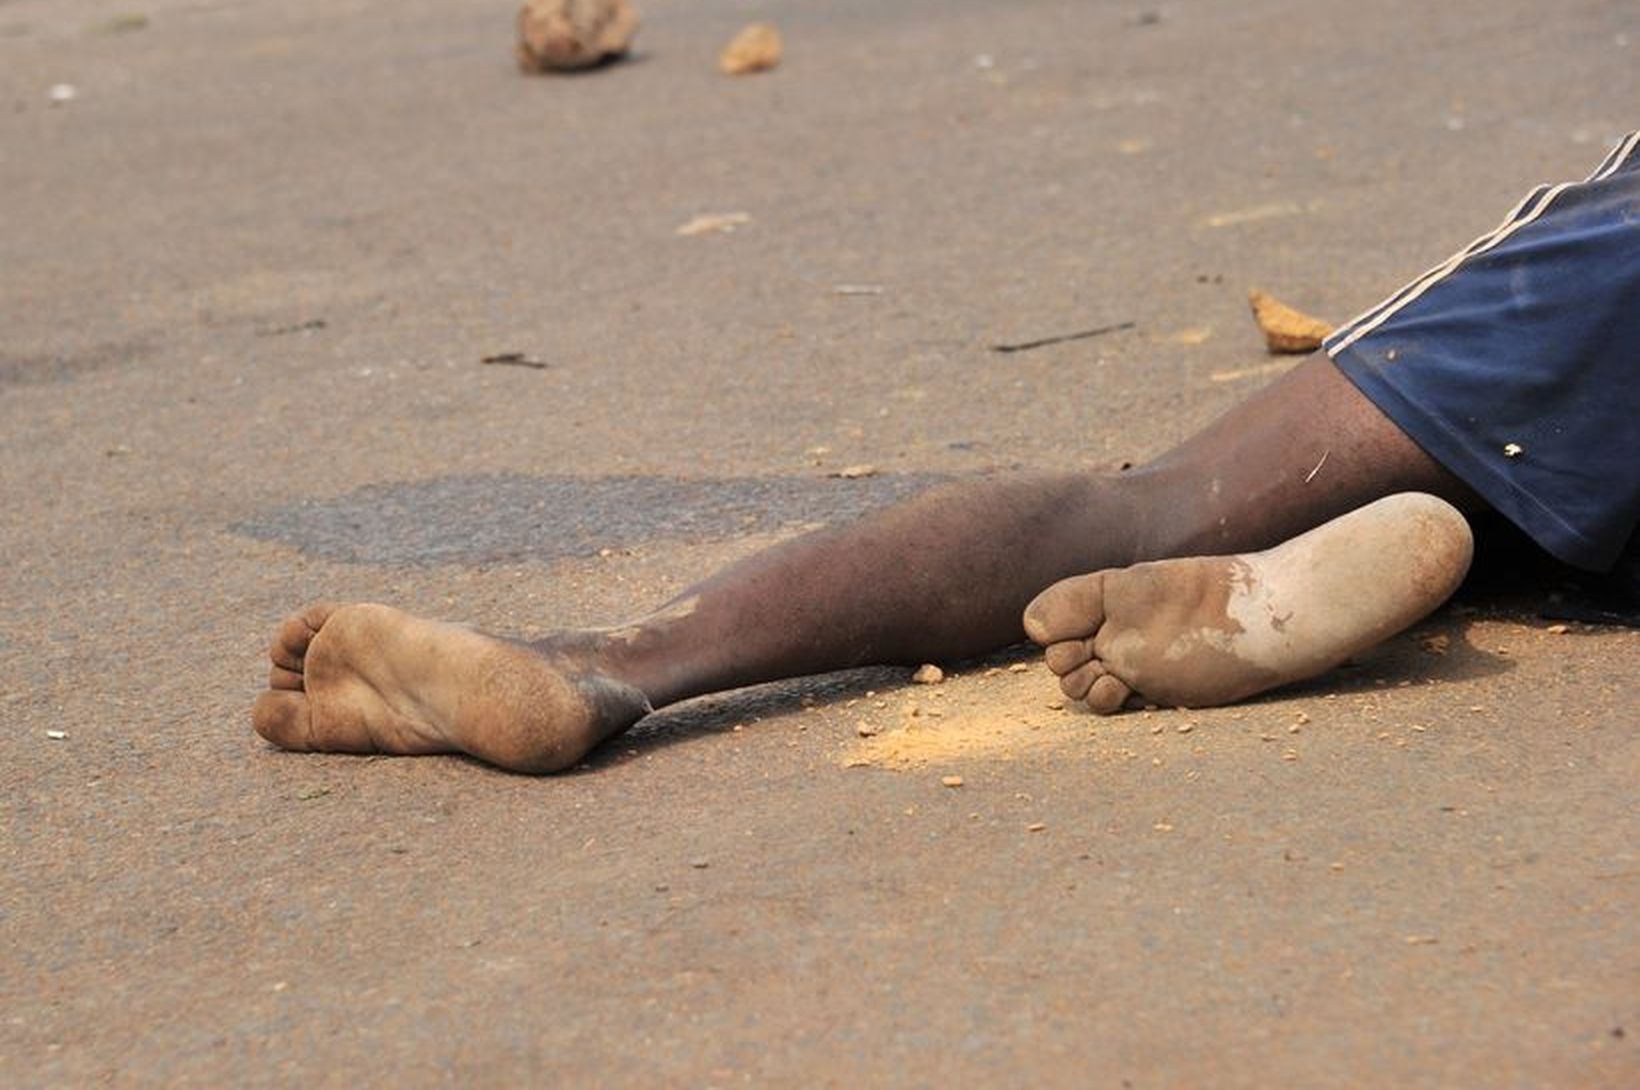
(1516, 362)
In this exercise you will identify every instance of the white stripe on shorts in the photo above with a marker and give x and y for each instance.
(1529, 209)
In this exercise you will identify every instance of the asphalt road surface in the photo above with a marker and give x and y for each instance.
(252, 257)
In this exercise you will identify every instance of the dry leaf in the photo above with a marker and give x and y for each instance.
(1286, 329)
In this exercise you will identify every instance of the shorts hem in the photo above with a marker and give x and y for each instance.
(1476, 468)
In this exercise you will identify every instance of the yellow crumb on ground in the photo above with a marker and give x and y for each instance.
(996, 716)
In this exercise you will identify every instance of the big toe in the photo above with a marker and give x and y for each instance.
(1071, 609)
(282, 717)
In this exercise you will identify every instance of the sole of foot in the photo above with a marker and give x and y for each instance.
(371, 679)
(1202, 631)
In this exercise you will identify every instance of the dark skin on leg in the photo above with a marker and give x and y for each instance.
(943, 576)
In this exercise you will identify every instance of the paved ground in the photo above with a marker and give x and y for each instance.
(247, 276)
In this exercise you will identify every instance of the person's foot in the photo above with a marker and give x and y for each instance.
(370, 679)
(1203, 631)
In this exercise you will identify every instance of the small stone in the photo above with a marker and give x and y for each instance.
(1558, 629)
(1163, 826)
(757, 48)
(661, 887)
(700, 864)
(1185, 728)
(564, 35)
(57, 735)
(63, 92)
(951, 781)
(1301, 717)
(928, 674)
(1513, 450)
(867, 730)
(1035, 827)
(1019, 667)
(856, 472)
(1056, 705)
(1289, 756)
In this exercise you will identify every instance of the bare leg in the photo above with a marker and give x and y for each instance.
(946, 575)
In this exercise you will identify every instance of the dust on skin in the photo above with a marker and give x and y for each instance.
(1220, 627)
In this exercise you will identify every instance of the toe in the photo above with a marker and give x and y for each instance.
(315, 615)
(290, 643)
(287, 680)
(281, 717)
(1107, 694)
(282, 655)
(1067, 655)
(1077, 682)
(1070, 609)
